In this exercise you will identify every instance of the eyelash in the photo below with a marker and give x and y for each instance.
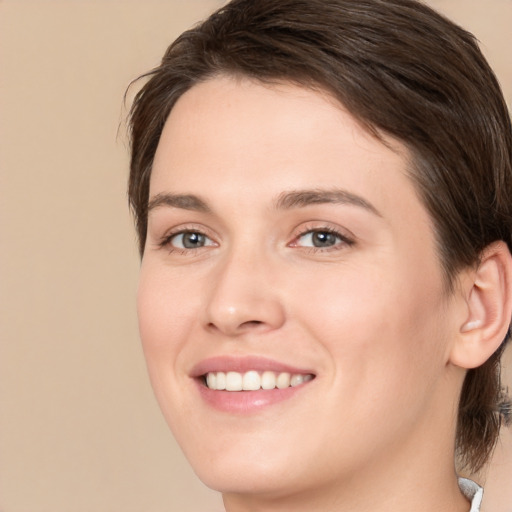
(166, 240)
(345, 240)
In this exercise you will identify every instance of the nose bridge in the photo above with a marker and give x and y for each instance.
(242, 295)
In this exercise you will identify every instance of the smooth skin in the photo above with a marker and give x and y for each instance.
(349, 288)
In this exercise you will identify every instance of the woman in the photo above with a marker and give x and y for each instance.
(322, 191)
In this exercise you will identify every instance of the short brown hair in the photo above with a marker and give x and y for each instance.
(400, 69)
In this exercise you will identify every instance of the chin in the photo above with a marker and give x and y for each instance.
(242, 478)
(246, 466)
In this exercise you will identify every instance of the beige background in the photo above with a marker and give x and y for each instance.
(79, 428)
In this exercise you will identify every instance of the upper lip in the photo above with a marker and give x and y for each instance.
(243, 364)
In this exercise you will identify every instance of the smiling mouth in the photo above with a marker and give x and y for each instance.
(253, 380)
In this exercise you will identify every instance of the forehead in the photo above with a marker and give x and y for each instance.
(237, 123)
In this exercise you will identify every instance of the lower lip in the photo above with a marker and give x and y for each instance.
(246, 402)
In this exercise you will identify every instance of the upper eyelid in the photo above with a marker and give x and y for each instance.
(188, 228)
(169, 234)
(173, 236)
(300, 231)
(344, 240)
(308, 227)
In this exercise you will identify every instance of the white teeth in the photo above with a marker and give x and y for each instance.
(221, 381)
(296, 380)
(253, 380)
(234, 381)
(211, 380)
(300, 379)
(283, 380)
(268, 380)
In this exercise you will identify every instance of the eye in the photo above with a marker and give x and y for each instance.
(321, 239)
(188, 240)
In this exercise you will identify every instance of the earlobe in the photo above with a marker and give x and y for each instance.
(488, 311)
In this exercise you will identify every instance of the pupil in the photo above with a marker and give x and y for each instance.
(323, 239)
(192, 240)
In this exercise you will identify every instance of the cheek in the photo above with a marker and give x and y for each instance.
(163, 307)
(164, 317)
(152, 313)
(379, 327)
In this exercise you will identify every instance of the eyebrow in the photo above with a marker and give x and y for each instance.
(285, 200)
(303, 198)
(183, 201)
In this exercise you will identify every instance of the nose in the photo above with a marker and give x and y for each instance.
(244, 296)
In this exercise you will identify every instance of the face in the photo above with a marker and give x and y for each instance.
(287, 249)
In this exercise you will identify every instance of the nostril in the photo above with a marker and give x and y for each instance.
(236, 329)
(251, 323)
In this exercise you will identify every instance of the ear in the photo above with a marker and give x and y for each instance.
(488, 309)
